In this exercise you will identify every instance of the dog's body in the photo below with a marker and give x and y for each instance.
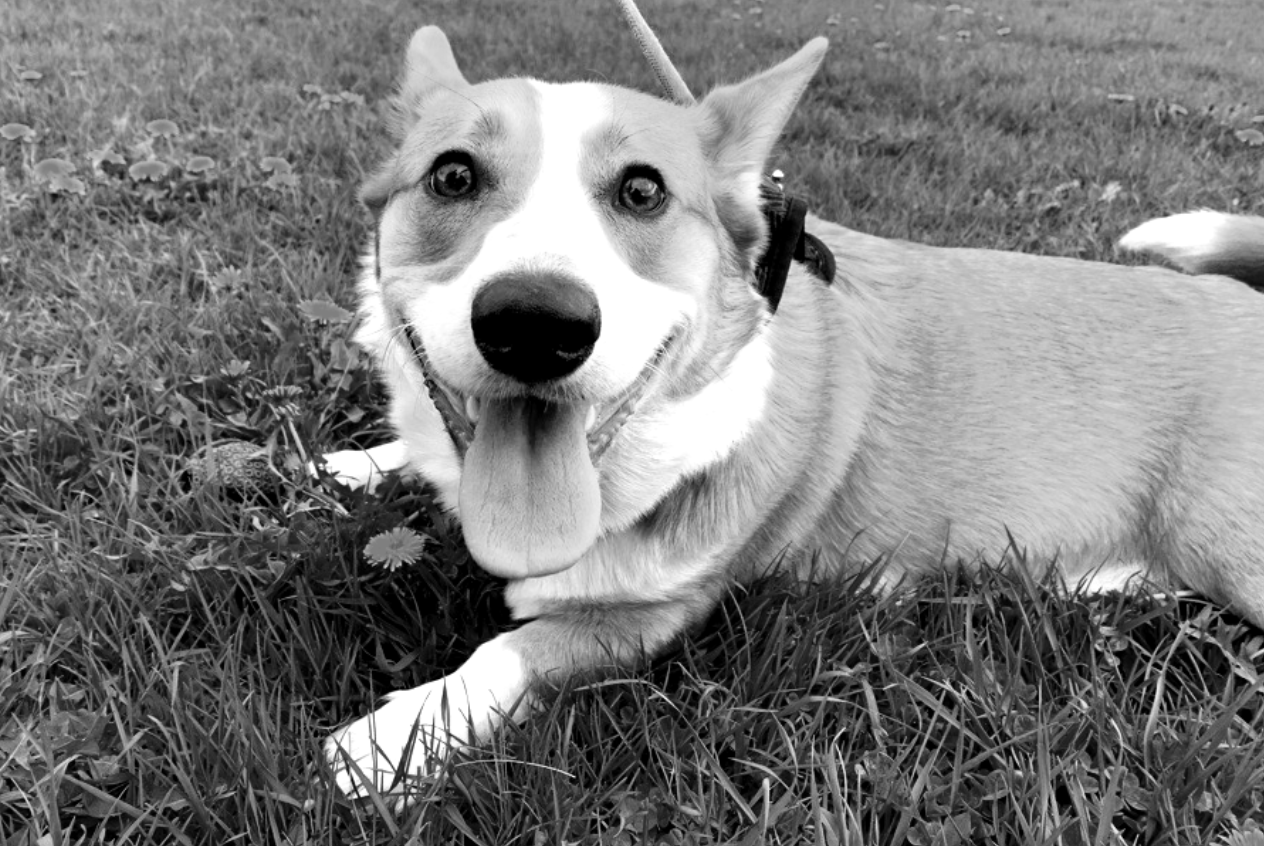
(925, 407)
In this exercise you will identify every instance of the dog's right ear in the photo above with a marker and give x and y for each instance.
(429, 67)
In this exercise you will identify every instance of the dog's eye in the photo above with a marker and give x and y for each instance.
(452, 175)
(642, 191)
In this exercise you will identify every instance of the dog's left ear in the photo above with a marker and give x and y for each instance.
(742, 122)
(746, 119)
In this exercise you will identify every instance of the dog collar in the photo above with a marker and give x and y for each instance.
(787, 242)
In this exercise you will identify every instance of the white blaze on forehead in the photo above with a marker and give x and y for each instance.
(559, 226)
(557, 211)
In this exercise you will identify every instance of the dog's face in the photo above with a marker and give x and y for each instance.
(561, 260)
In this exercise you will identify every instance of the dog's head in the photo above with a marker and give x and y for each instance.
(558, 258)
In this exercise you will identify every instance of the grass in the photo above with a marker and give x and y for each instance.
(172, 655)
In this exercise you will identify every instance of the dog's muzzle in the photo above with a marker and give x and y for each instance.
(530, 496)
(603, 421)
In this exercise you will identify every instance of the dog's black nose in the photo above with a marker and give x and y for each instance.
(535, 326)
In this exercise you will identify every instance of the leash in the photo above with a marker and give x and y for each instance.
(787, 242)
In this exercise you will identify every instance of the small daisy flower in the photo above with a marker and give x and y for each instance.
(394, 548)
(281, 400)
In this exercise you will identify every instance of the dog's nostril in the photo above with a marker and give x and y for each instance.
(535, 326)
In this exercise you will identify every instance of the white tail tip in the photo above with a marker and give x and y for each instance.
(1204, 242)
(1178, 237)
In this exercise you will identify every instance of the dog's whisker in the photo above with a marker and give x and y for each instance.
(396, 337)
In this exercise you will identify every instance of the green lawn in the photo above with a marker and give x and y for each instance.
(171, 655)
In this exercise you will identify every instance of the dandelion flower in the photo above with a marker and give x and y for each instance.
(396, 547)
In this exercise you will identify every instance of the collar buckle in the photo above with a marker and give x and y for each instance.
(787, 242)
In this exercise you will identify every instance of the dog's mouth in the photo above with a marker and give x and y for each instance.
(530, 497)
(462, 413)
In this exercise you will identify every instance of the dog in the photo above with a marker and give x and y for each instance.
(561, 297)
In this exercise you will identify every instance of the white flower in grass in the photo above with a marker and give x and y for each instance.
(283, 175)
(162, 128)
(57, 178)
(1252, 137)
(395, 547)
(152, 170)
(282, 400)
(324, 310)
(17, 132)
(199, 165)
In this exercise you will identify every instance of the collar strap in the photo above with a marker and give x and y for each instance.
(787, 242)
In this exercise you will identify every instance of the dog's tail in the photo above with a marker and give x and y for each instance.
(1205, 242)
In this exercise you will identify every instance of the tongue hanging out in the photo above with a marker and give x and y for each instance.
(530, 500)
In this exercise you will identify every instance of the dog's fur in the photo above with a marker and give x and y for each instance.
(926, 406)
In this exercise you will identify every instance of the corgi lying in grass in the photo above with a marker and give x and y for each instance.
(562, 299)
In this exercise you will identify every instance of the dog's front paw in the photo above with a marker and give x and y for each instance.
(363, 468)
(407, 738)
(417, 730)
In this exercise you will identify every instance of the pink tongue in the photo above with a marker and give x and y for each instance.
(530, 500)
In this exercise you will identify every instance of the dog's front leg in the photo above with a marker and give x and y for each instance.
(416, 730)
(364, 468)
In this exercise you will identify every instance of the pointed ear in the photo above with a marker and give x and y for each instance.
(744, 120)
(741, 123)
(430, 67)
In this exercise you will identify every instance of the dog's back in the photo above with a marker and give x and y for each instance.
(1096, 412)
